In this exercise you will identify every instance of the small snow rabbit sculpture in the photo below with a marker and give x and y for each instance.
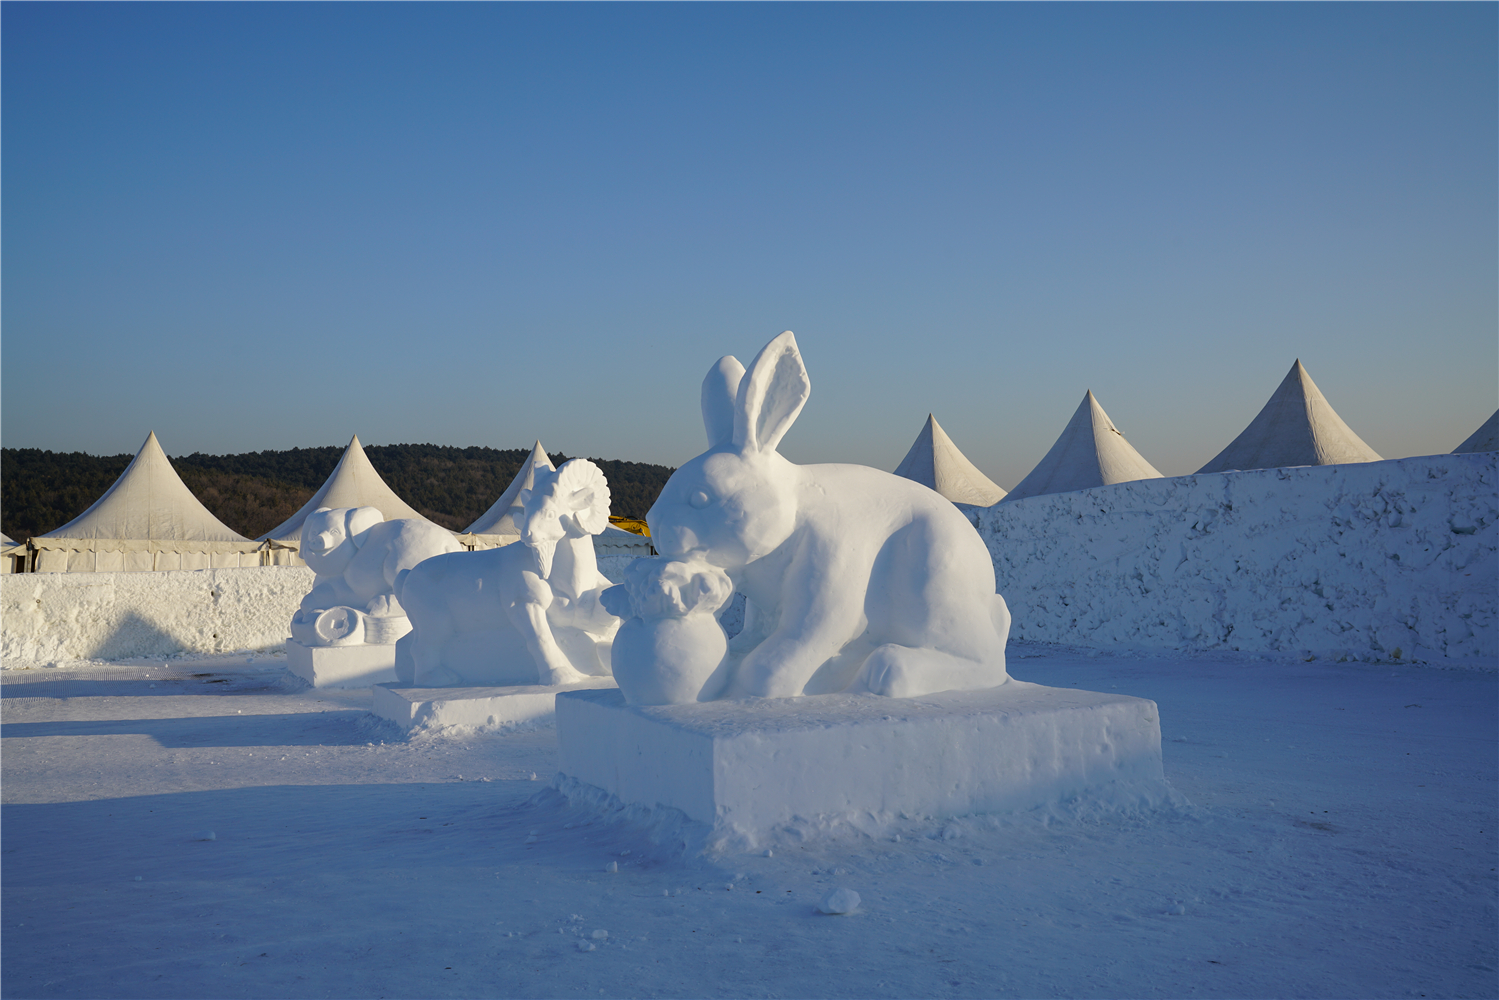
(856, 579)
(357, 555)
(671, 648)
(527, 613)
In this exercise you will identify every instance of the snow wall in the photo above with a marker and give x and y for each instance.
(1393, 560)
(1338, 561)
(110, 616)
(51, 617)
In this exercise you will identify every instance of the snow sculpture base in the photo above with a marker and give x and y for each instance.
(341, 666)
(410, 707)
(758, 770)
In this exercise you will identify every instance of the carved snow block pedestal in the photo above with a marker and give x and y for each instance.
(755, 770)
(410, 707)
(355, 666)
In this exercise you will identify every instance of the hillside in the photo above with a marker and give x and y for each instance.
(254, 492)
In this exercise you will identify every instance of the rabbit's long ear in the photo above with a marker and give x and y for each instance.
(720, 389)
(771, 394)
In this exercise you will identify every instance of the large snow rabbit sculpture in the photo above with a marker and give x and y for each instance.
(856, 579)
(527, 613)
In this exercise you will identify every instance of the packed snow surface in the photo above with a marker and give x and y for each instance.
(1384, 561)
(203, 829)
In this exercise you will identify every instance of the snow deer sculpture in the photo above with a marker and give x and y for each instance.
(527, 613)
(856, 579)
(357, 555)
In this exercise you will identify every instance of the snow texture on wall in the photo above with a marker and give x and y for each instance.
(49, 617)
(613, 566)
(1392, 560)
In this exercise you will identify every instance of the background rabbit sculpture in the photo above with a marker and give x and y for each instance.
(527, 613)
(855, 578)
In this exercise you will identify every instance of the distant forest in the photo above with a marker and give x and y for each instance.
(254, 492)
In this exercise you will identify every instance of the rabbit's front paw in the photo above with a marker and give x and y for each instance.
(902, 672)
(890, 672)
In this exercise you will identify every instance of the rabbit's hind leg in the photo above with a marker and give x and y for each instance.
(903, 672)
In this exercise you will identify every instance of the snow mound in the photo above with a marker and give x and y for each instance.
(839, 901)
(669, 830)
(113, 616)
(1384, 561)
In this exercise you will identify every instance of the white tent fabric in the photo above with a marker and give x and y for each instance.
(9, 553)
(614, 541)
(1091, 452)
(1486, 438)
(496, 526)
(148, 520)
(354, 483)
(1298, 426)
(935, 462)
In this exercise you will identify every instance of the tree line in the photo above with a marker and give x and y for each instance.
(254, 492)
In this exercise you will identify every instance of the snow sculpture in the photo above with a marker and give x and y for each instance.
(357, 555)
(671, 648)
(856, 579)
(527, 613)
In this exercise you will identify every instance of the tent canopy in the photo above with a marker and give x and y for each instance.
(148, 509)
(1298, 426)
(354, 483)
(499, 519)
(1486, 438)
(1091, 452)
(935, 462)
(617, 541)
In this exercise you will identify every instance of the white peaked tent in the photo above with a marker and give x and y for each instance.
(1091, 452)
(497, 525)
(148, 520)
(935, 462)
(354, 483)
(1298, 426)
(10, 551)
(1486, 438)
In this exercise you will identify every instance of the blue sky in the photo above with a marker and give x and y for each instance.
(260, 226)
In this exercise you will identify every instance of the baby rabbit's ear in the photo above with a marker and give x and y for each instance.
(771, 394)
(720, 389)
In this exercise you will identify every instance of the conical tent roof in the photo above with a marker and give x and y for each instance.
(150, 504)
(1298, 426)
(1486, 438)
(1091, 452)
(935, 462)
(498, 519)
(354, 483)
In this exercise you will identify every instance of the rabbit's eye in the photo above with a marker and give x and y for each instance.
(699, 499)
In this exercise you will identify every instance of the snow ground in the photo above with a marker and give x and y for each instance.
(1341, 841)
